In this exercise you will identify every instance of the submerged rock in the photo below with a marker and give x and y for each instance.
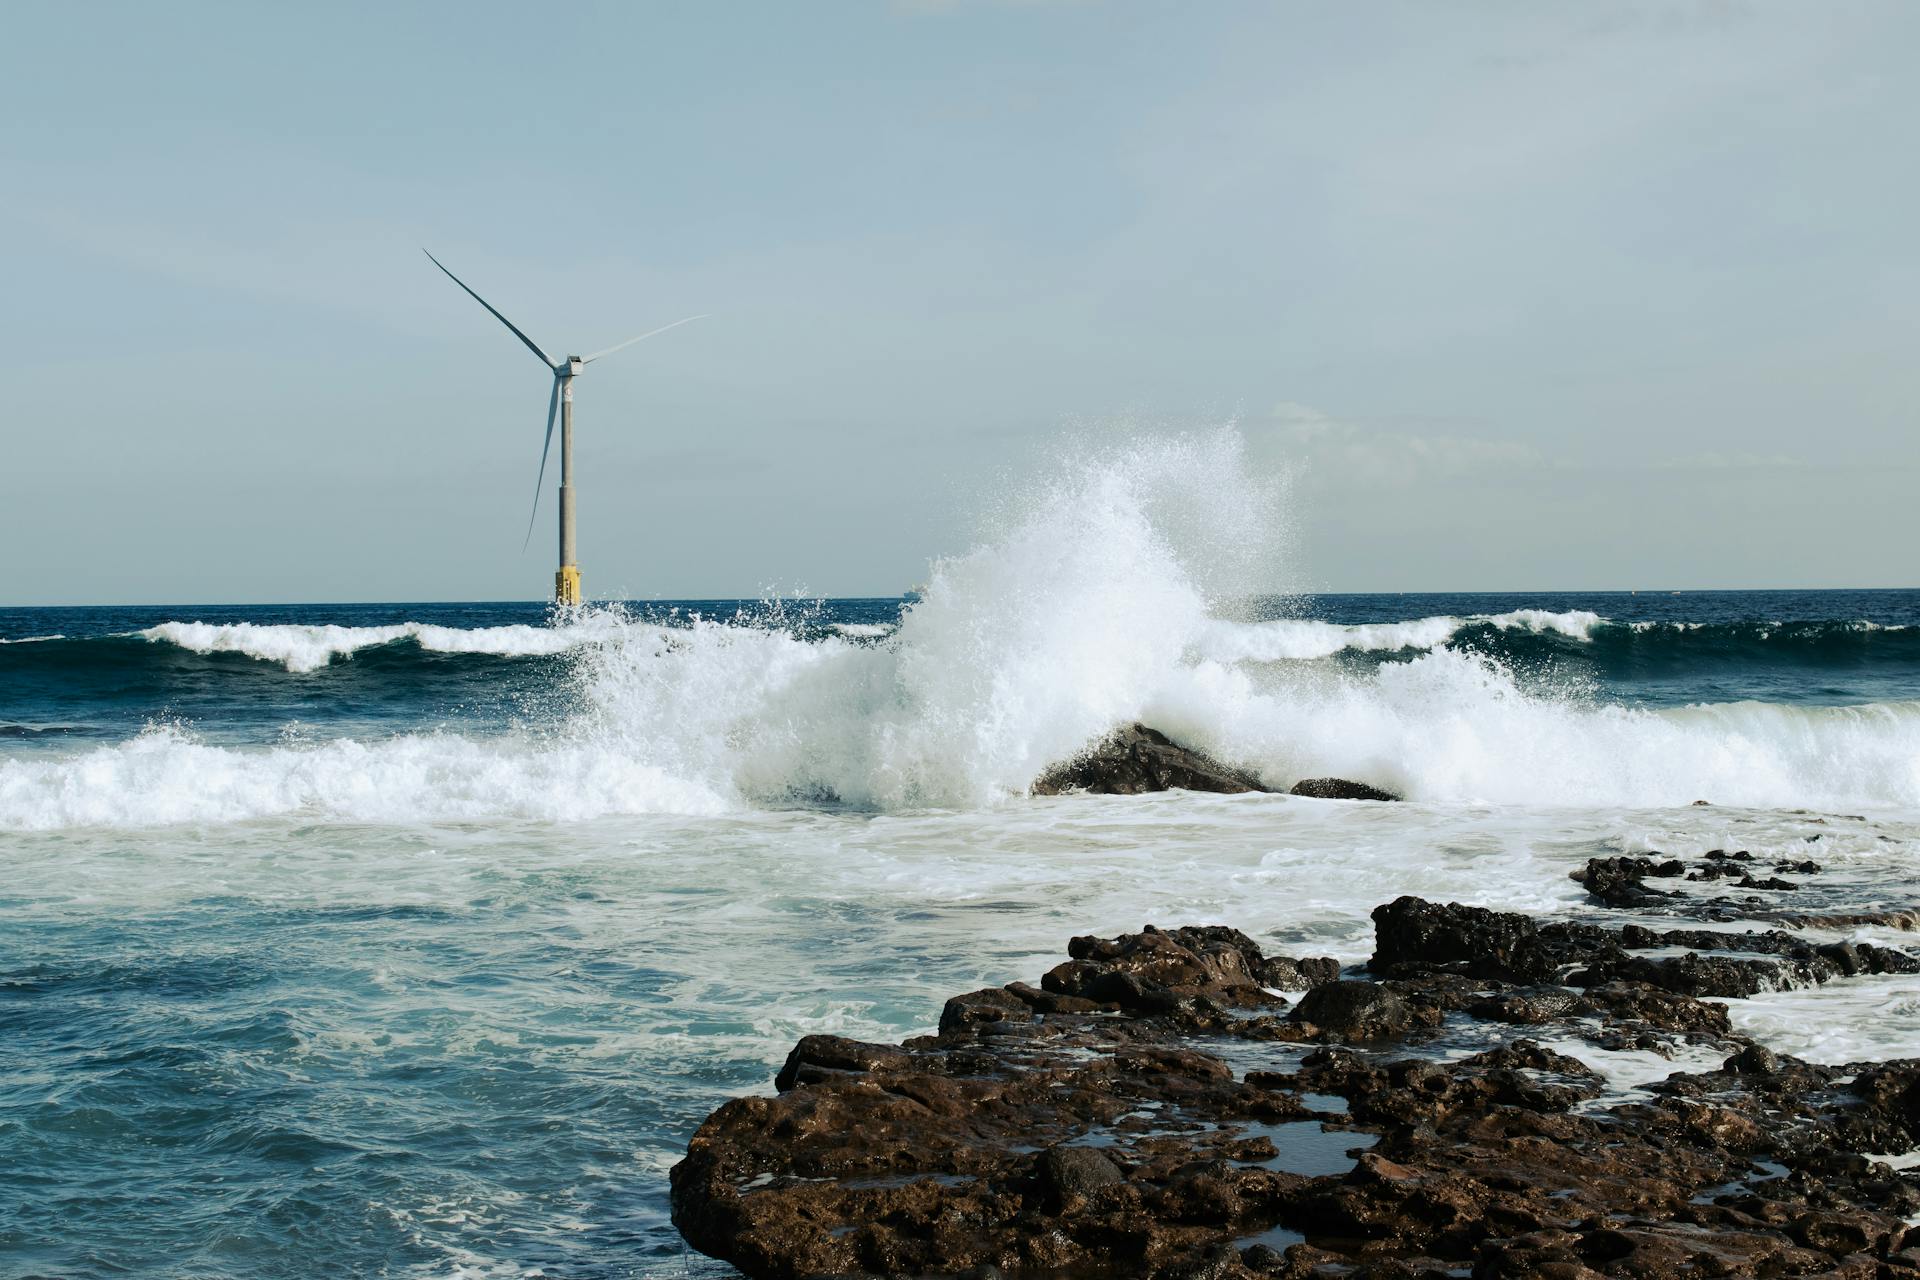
(1620, 882)
(1135, 760)
(1338, 789)
(1152, 1113)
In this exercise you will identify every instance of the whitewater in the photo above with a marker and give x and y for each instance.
(420, 937)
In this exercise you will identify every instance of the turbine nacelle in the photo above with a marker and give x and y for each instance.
(573, 367)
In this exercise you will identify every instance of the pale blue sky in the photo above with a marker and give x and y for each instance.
(1540, 295)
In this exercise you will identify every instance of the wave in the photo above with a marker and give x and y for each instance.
(1518, 635)
(1525, 632)
(166, 777)
(1289, 639)
(1098, 601)
(304, 649)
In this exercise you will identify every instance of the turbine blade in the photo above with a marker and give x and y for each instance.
(531, 344)
(553, 407)
(643, 337)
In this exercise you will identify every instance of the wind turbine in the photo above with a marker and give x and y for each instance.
(566, 583)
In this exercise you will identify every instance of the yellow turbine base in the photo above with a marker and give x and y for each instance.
(566, 585)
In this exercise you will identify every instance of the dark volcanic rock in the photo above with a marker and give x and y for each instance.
(1412, 934)
(1414, 937)
(1354, 1011)
(1298, 975)
(1066, 1172)
(1619, 882)
(1095, 1128)
(1137, 759)
(1339, 789)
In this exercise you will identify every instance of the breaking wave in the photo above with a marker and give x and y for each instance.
(1103, 597)
(1290, 639)
(303, 649)
(1518, 635)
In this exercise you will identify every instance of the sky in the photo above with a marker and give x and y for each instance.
(1526, 296)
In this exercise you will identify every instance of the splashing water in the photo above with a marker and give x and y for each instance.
(1107, 595)
(421, 941)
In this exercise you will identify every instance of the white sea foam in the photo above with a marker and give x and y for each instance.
(166, 777)
(304, 649)
(1846, 1021)
(1095, 603)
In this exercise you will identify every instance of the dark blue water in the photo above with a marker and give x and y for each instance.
(101, 680)
(1671, 649)
(74, 674)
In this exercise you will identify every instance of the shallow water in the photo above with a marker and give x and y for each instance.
(482, 1046)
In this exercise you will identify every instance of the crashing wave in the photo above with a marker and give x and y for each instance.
(302, 649)
(1096, 604)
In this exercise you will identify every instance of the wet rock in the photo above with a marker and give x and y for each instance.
(1531, 1006)
(816, 1057)
(1067, 1172)
(1137, 759)
(1620, 882)
(1287, 974)
(1413, 935)
(1339, 789)
(1184, 973)
(1354, 1010)
(1754, 1060)
(994, 1004)
(1401, 1125)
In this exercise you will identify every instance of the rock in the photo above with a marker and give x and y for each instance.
(1048, 1133)
(1413, 934)
(1066, 1172)
(1286, 974)
(1754, 1060)
(994, 1004)
(1338, 789)
(1354, 1011)
(1618, 882)
(1137, 759)
(815, 1056)
(1532, 1006)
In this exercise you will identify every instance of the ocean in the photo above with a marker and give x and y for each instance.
(416, 939)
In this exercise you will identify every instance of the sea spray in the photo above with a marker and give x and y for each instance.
(1108, 590)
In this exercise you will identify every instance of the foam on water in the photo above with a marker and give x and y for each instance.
(1860, 1019)
(165, 777)
(1101, 598)
(302, 649)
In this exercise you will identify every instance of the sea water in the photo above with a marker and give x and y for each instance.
(417, 939)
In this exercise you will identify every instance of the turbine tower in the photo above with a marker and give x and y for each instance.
(566, 583)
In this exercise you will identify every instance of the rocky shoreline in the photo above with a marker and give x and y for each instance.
(1496, 1097)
